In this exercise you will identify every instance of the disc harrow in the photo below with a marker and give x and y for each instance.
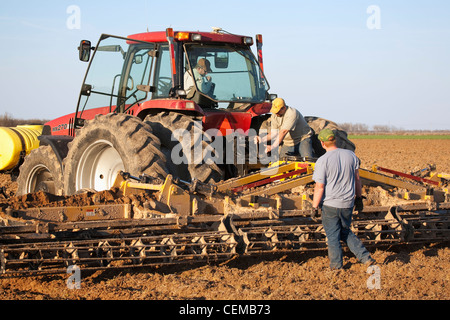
(185, 223)
(112, 253)
(309, 235)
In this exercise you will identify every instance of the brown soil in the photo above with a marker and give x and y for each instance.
(417, 272)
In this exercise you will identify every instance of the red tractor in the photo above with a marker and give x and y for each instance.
(154, 104)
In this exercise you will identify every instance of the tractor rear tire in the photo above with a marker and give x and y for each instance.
(166, 125)
(40, 171)
(108, 144)
(318, 124)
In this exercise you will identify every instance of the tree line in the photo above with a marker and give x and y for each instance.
(6, 120)
(361, 127)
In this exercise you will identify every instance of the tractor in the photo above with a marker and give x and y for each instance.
(143, 108)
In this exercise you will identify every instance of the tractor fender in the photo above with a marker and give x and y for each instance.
(59, 145)
(155, 106)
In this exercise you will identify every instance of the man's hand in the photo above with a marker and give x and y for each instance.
(319, 190)
(359, 206)
(258, 140)
(315, 215)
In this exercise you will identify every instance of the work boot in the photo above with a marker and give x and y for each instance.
(370, 262)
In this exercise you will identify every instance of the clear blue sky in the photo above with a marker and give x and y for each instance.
(320, 56)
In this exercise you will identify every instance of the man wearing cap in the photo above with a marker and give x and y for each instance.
(337, 183)
(203, 81)
(289, 130)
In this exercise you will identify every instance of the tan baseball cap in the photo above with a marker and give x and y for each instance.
(277, 104)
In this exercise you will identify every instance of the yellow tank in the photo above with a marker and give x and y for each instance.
(14, 140)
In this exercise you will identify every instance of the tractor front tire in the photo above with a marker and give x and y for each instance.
(40, 171)
(108, 144)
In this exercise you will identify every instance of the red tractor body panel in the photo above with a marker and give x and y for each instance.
(221, 120)
(171, 104)
(260, 108)
(64, 125)
(186, 35)
(227, 122)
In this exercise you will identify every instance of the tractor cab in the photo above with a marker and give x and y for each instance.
(204, 73)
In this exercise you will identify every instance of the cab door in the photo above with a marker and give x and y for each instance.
(116, 78)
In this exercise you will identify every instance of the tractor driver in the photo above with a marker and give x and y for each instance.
(289, 130)
(202, 80)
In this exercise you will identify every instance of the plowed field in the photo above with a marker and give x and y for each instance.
(420, 272)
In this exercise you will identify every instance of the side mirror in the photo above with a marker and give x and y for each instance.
(271, 96)
(85, 50)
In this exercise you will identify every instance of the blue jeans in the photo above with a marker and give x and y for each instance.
(336, 222)
(303, 148)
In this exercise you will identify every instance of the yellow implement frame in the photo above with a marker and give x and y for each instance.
(276, 172)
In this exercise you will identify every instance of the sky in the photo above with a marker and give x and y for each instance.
(372, 62)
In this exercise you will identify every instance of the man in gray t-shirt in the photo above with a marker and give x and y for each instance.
(337, 183)
(337, 171)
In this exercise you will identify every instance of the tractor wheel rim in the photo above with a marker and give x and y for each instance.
(39, 174)
(98, 167)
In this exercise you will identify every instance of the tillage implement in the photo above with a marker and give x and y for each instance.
(179, 222)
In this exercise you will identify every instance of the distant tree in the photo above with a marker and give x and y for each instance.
(386, 128)
(354, 127)
(364, 128)
(380, 128)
